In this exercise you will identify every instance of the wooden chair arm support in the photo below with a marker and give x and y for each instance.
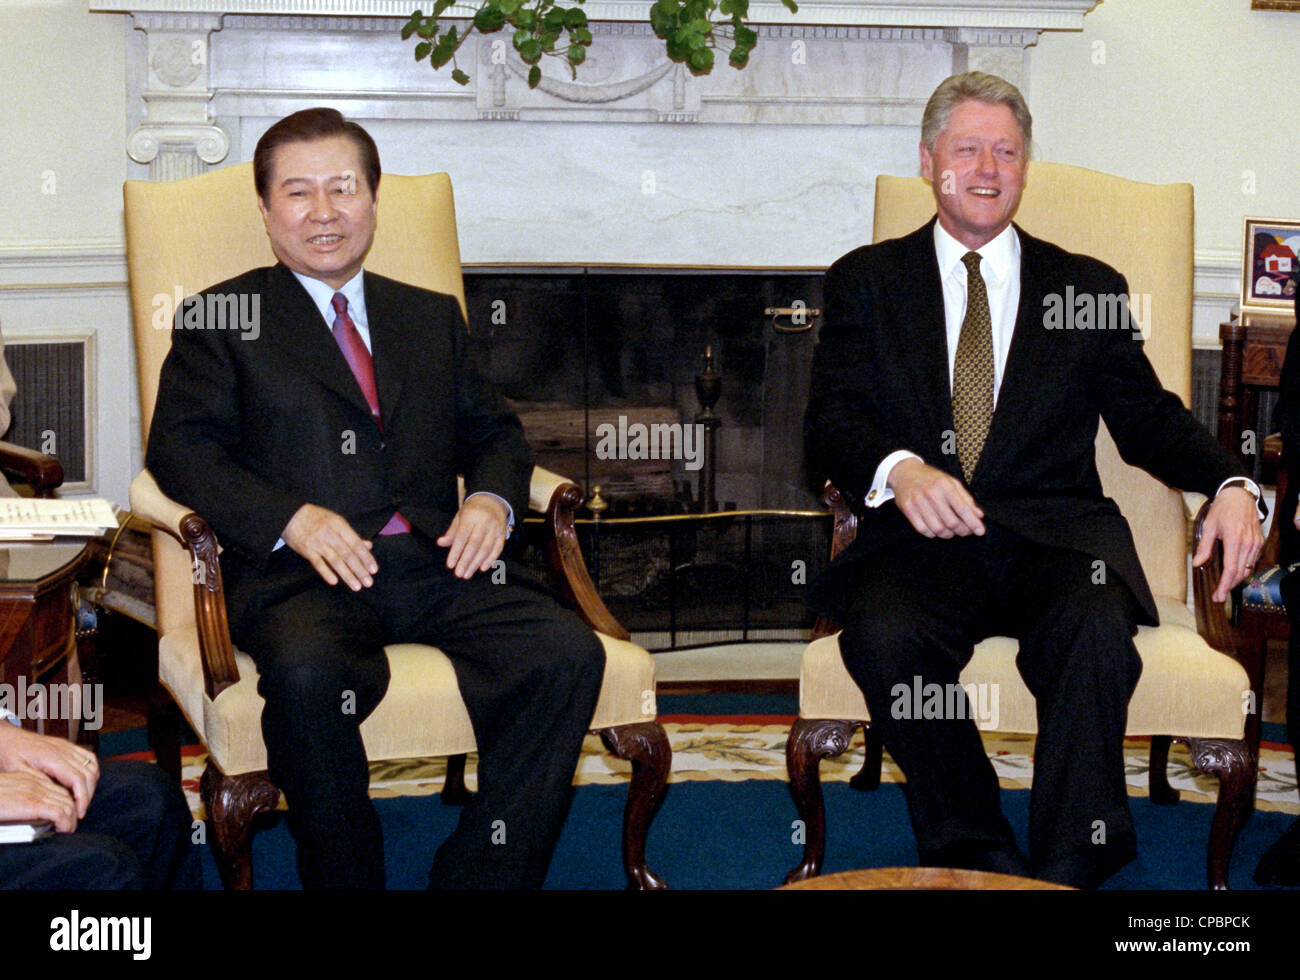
(559, 499)
(42, 473)
(196, 536)
(845, 521)
(1212, 620)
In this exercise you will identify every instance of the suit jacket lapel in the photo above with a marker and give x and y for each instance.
(1025, 358)
(388, 340)
(920, 294)
(296, 325)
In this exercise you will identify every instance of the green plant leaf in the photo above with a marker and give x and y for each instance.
(580, 35)
(411, 25)
(428, 29)
(534, 76)
(520, 37)
(459, 77)
(525, 19)
(554, 19)
(440, 7)
(791, 6)
(663, 17)
(489, 18)
(422, 50)
(745, 37)
(739, 57)
(530, 51)
(548, 39)
(574, 17)
(700, 61)
(576, 53)
(508, 7)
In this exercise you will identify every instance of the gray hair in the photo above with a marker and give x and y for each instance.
(973, 86)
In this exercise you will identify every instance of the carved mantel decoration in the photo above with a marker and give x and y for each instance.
(204, 55)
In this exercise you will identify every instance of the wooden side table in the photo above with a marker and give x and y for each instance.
(38, 630)
(921, 879)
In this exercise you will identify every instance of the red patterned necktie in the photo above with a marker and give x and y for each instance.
(363, 369)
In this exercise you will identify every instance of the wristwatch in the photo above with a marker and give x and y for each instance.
(1245, 484)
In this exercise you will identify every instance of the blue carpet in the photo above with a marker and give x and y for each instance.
(715, 835)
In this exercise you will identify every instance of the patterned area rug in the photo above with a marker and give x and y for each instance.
(734, 749)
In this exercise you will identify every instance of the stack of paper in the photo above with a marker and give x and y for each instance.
(22, 519)
(12, 832)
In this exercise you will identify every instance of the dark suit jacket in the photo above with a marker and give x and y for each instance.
(1286, 418)
(246, 431)
(880, 383)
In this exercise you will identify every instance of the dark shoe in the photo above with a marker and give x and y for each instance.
(1002, 859)
(1089, 868)
(1280, 865)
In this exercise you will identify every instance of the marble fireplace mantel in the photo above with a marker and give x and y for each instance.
(832, 95)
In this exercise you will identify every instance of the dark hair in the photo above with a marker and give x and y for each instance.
(304, 127)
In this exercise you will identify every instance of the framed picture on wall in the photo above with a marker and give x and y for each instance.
(1270, 260)
(1275, 4)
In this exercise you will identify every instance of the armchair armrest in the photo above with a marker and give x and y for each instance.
(42, 473)
(196, 536)
(559, 499)
(1212, 620)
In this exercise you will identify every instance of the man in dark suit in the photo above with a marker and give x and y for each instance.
(963, 430)
(327, 466)
(1280, 864)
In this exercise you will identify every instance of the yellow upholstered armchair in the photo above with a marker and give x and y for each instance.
(185, 236)
(1192, 689)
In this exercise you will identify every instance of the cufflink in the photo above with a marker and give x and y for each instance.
(872, 495)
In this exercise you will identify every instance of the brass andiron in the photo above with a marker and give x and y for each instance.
(708, 388)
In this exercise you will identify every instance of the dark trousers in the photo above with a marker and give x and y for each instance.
(136, 834)
(529, 671)
(914, 618)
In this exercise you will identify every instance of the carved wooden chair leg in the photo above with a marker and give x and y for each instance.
(232, 802)
(454, 792)
(868, 777)
(1233, 762)
(164, 731)
(1161, 792)
(811, 740)
(645, 745)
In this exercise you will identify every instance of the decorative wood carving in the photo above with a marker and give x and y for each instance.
(1232, 761)
(645, 745)
(219, 670)
(232, 802)
(810, 741)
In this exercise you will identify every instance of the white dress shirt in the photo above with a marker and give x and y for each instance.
(1000, 269)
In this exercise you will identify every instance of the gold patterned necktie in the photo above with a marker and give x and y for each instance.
(972, 373)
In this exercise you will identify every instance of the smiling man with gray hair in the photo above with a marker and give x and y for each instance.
(963, 432)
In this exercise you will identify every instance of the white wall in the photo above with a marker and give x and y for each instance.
(62, 274)
(1175, 90)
